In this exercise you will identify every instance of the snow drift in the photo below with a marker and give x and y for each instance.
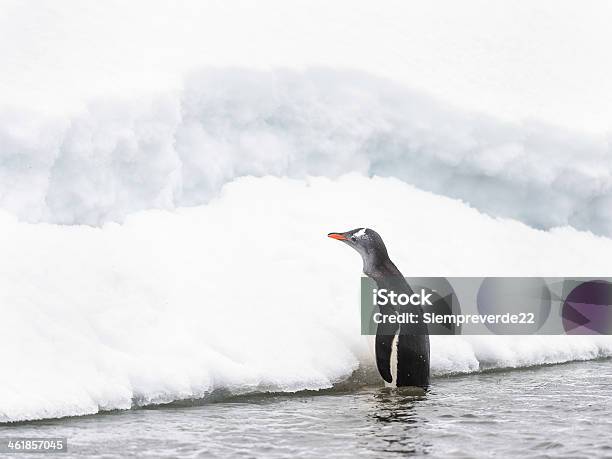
(179, 149)
(247, 293)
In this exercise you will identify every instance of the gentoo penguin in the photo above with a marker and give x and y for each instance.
(410, 341)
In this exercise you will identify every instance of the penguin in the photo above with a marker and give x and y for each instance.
(409, 342)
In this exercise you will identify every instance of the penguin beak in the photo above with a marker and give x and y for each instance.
(337, 236)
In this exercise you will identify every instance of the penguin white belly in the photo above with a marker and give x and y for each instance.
(393, 362)
(392, 358)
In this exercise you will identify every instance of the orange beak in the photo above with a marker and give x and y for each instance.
(337, 236)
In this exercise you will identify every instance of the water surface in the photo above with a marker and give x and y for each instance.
(561, 410)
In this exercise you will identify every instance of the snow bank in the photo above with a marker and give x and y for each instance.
(179, 149)
(247, 293)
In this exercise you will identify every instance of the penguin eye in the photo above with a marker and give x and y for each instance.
(353, 238)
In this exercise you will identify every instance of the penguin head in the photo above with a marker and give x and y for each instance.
(367, 242)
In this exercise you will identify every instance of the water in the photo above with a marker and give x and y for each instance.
(561, 410)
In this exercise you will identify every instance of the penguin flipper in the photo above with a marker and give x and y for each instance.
(384, 342)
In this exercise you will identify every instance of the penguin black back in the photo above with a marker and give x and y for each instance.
(412, 339)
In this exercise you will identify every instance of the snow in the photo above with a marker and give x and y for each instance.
(247, 293)
(173, 150)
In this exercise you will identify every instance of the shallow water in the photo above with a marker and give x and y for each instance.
(561, 410)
